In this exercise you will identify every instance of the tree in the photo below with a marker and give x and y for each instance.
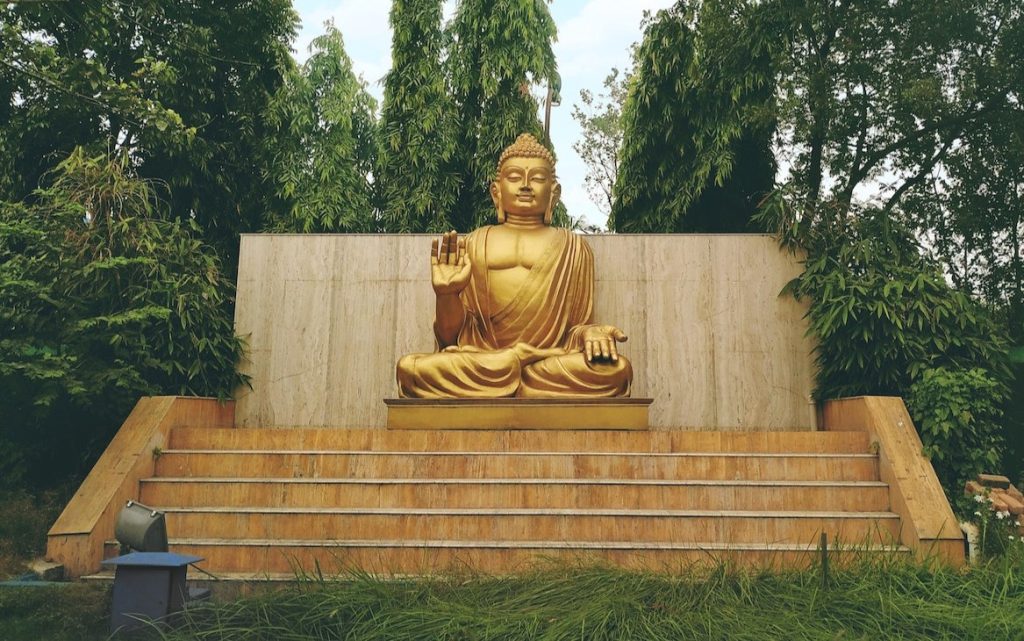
(104, 297)
(499, 48)
(181, 86)
(879, 94)
(887, 323)
(417, 180)
(698, 122)
(973, 214)
(600, 120)
(914, 109)
(324, 144)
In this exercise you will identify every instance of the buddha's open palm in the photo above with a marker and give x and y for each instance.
(599, 343)
(449, 265)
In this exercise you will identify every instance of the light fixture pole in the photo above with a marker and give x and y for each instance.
(553, 99)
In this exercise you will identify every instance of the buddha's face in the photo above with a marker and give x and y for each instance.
(525, 186)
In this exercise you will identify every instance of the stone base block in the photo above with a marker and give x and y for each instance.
(518, 414)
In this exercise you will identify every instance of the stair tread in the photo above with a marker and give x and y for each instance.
(640, 512)
(364, 430)
(491, 544)
(320, 452)
(515, 440)
(512, 481)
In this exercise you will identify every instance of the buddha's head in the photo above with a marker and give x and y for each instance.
(526, 184)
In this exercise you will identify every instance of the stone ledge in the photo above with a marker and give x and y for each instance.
(518, 414)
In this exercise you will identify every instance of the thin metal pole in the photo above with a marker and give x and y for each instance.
(547, 114)
(823, 546)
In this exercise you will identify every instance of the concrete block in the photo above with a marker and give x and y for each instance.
(47, 570)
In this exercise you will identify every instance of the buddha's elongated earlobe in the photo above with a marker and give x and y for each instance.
(496, 197)
(549, 213)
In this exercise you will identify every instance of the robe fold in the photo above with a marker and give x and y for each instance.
(531, 347)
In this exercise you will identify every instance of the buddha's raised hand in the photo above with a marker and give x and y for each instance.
(449, 265)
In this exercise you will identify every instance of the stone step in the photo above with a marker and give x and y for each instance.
(362, 464)
(418, 557)
(530, 524)
(674, 494)
(516, 441)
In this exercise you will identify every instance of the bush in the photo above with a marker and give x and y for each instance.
(999, 533)
(103, 299)
(24, 520)
(884, 317)
(70, 612)
(957, 413)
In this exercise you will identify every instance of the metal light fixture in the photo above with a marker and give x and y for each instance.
(141, 528)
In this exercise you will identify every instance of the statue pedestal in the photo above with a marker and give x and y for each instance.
(518, 414)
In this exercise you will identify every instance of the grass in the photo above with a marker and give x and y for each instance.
(24, 520)
(877, 601)
(873, 601)
(881, 600)
(73, 612)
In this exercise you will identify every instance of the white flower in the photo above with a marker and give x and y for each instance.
(1002, 515)
(979, 498)
(977, 514)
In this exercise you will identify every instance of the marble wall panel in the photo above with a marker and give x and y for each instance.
(328, 316)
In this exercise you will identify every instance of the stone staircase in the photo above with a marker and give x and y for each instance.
(265, 502)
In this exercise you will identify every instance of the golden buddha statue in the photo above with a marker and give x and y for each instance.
(515, 301)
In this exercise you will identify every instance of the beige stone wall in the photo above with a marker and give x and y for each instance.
(710, 339)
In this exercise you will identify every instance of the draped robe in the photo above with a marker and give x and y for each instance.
(531, 347)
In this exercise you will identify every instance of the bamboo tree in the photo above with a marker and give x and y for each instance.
(697, 124)
(181, 86)
(499, 50)
(325, 143)
(417, 183)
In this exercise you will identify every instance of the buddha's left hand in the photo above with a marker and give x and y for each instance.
(599, 343)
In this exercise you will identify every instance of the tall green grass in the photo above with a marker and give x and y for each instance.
(874, 601)
(24, 519)
(55, 613)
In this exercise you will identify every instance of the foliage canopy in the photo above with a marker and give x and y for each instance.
(498, 50)
(698, 122)
(600, 120)
(103, 298)
(324, 147)
(181, 86)
(418, 135)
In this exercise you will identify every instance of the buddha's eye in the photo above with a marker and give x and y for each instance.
(539, 178)
(513, 176)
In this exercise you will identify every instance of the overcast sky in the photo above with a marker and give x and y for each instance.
(593, 37)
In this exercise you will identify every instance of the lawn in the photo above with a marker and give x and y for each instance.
(879, 601)
(871, 602)
(72, 612)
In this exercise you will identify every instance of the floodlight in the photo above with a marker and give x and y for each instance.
(141, 528)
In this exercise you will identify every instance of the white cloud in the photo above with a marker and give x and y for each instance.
(599, 35)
